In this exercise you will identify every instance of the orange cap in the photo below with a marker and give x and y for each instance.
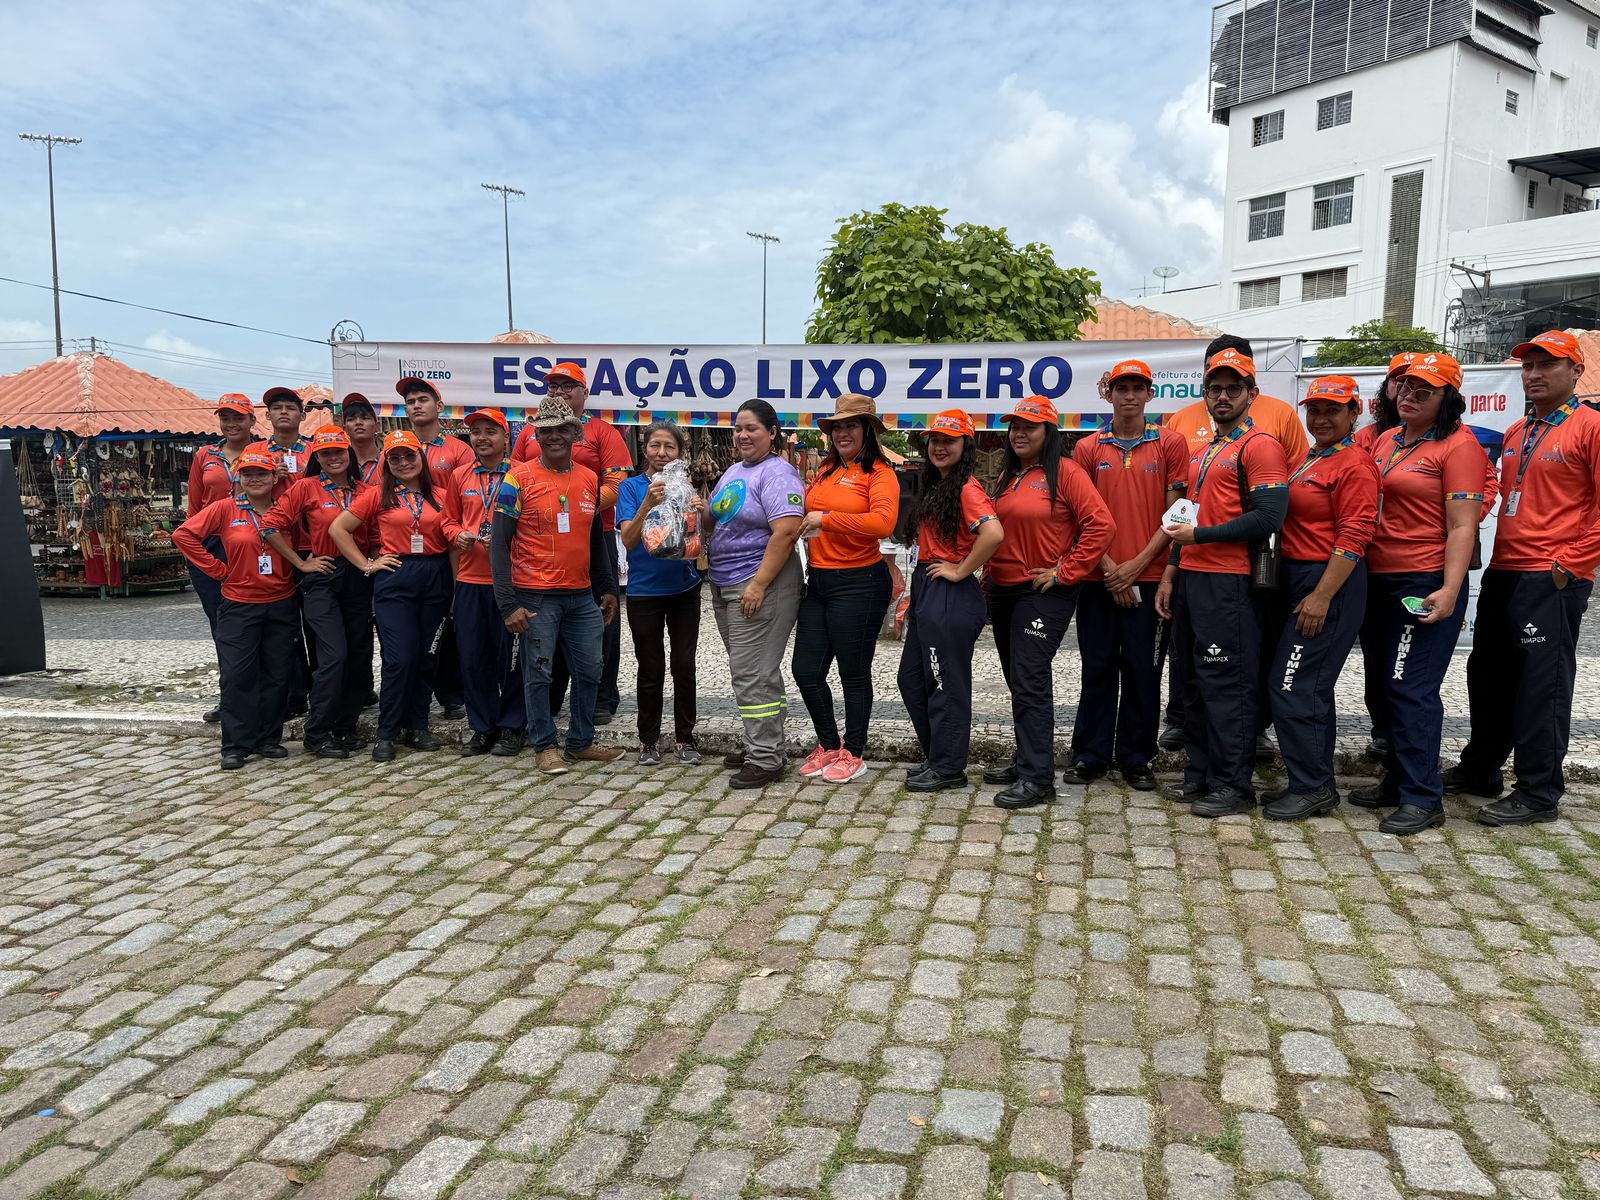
(1036, 409)
(1131, 367)
(1339, 388)
(281, 393)
(1437, 370)
(411, 383)
(256, 460)
(1402, 361)
(489, 414)
(401, 439)
(953, 422)
(569, 369)
(1554, 341)
(1231, 360)
(236, 402)
(330, 437)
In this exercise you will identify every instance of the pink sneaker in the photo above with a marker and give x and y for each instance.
(817, 762)
(844, 768)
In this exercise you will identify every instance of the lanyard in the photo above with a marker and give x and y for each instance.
(416, 510)
(496, 478)
(227, 469)
(1313, 455)
(342, 495)
(1531, 441)
(255, 523)
(1401, 452)
(1214, 451)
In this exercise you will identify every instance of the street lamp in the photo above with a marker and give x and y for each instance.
(51, 141)
(765, 239)
(505, 215)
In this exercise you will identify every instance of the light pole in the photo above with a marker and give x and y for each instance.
(765, 239)
(51, 141)
(505, 215)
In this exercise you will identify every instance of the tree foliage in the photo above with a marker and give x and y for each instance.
(899, 274)
(1374, 343)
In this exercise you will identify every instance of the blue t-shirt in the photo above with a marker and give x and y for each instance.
(649, 576)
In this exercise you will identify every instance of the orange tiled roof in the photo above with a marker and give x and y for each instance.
(1120, 321)
(90, 394)
(524, 335)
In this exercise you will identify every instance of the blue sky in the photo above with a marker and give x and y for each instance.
(288, 165)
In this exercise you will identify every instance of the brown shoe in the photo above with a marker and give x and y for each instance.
(751, 776)
(599, 754)
(551, 762)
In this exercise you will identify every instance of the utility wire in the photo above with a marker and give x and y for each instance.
(167, 311)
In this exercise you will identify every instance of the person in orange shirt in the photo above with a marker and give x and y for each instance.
(405, 522)
(1240, 484)
(601, 449)
(335, 598)
(257, 617)
(212, 477)
(491, 672)
(285, 412)
(955, 531)
(1523, 666)
(1057, 528)
(850, 507)
(548, 562)
(1430, 496)
(1140, 469)
(1333, 508)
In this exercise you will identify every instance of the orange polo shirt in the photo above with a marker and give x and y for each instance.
(390, 529)
(1070, 537)
(305, 512)
(601, 449)
(1134, 484)
(1271, 416)
(1367, 437)
(211, 478)
(1558, 494)
(241, 529)
(469, 504)
(1333, 504)
(859, 509)
(976, 508)
(544, 556)
(1415, 481)
(1214, 486)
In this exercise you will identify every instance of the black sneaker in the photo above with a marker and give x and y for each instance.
(1023, 794)
(733, 759)
(232, 762)
(478, 743)
(688, 754)
(1223, 802)
(1297, 806)
(270, 750)
(1377, 747)
(419, 739)
(1266, 748)
(930, 782)
(350, 741)
(1272, 795)
(1140, 778)
(650, 756)
(997, 775)
(1184, 793)
(1514, 810)
(298, 707)
(328, 749)
(604, 716)
(1171, 738)
(212, 716)
(918, 768)
(383, 750)
(453, 712)
(1458, 782)
(1375, 795)
(1081, 772)
(1409, 819)
(509, 744)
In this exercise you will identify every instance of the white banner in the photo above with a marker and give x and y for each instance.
(704, 385)
(1493, 393)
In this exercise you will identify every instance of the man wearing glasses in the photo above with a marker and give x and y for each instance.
(1523, 664)
(602, 450)
(1205, 591)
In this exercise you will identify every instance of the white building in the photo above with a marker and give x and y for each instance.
(1376, 147)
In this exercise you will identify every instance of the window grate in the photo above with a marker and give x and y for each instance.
(1333, 110)
(1405, 227)
(1260, 293)
(1512, 100)
(1266, 217)
(1324, 285)
(1592, 37)
(1533, 192)
(1333, 203)
(1268, 127)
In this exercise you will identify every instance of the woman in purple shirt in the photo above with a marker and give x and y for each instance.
(754, 520)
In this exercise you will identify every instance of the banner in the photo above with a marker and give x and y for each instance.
(704, 385)
(1493, 393)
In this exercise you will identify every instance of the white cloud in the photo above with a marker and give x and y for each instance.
(13, 330)
(172, 344)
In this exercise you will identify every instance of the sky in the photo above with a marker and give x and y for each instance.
(293, 164)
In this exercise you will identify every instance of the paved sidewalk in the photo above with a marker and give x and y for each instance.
(326, 980)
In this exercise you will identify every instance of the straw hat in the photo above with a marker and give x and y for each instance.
(553, 414)
(853, 406)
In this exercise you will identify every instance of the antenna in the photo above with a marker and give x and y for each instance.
(1164, 274)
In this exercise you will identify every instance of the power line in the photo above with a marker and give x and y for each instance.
(166, 311)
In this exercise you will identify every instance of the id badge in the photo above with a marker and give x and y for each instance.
(263, 564)
(1513, 498)
(563, 523)
(483, 531)
(1378, 520)
(290, 463)
(416, 543)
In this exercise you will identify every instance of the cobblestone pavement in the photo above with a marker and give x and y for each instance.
(149, 659)
(451, 977)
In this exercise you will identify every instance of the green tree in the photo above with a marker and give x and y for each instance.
(1374, 343)
(900, 274)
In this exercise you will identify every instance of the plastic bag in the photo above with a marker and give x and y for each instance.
(672, 528)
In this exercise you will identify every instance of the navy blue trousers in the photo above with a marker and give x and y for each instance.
(1413, 662)
(1028, 628)
(491, 671)
(1305, 670)
(1520, 678)
(253, 642)
(410, 604)
(337, 609)
(1119, 708)
(1217, 633)
(935, 677)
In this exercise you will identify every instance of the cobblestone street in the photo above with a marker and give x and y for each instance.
(453, 978)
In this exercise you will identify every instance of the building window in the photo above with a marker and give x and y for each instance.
(1259, 293)
(1571, 203)
(1593, 37)
(1324, 285)
(1533, 192)
(1333, 110)
(1268, 127)
(1511, 102)
(1266, 217)
(1333, 203)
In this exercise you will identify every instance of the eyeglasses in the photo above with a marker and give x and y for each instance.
(562, 385)
(1216, 391)
(1420, 390)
